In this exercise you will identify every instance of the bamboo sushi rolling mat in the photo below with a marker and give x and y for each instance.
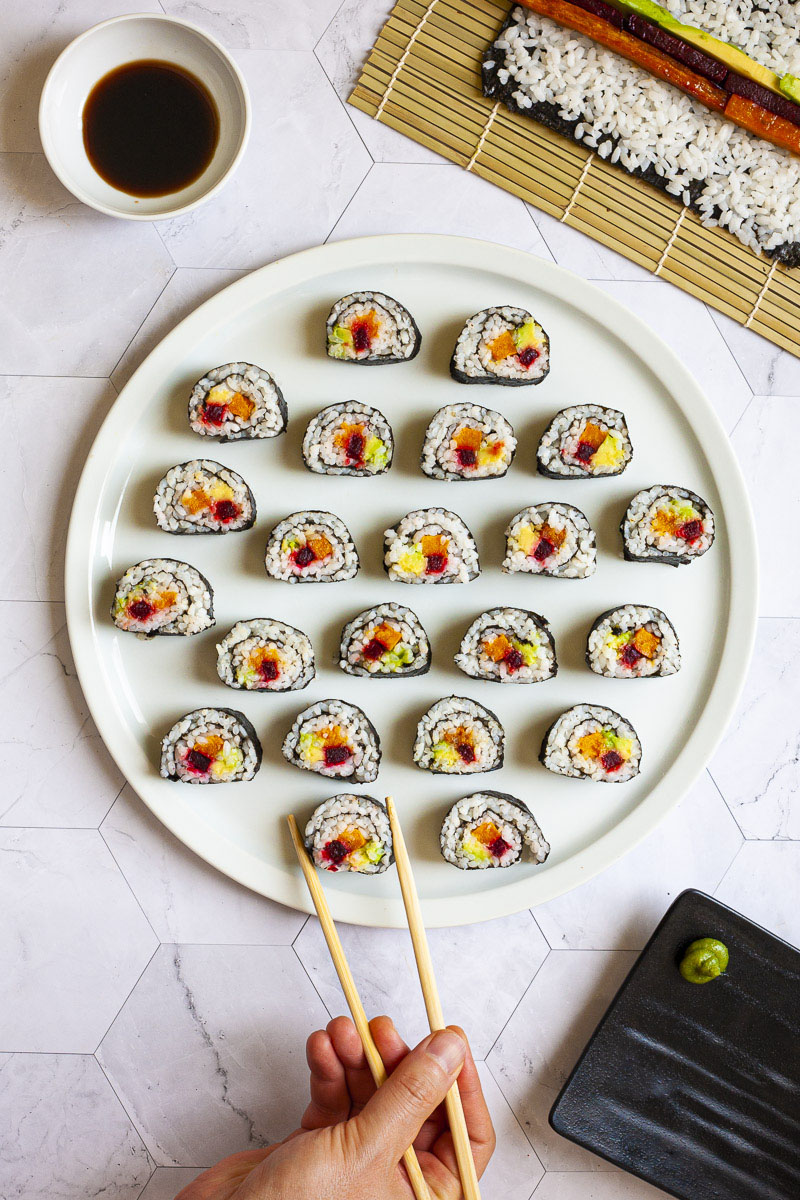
(423, 78)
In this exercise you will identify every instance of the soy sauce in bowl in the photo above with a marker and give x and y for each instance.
(150, 128)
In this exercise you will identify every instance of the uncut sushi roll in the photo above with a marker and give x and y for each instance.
(334, 739)
(211, 745)
(584, 441)
(667, 524)
(491, 829)
(237, 400)
(350, 833)
(263, 655)
(311, 547)
(633, 641)
(348, 439)
(431, 545)
(202, 496)
(458, 736)
(508, 645)
(371, 328)
(592, 742)
(467, 441)
(163, 596)
(501, 345)
(551, 539)
(385, 642)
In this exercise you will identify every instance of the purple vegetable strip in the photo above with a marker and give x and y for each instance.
(675, 47)
(782, 106)
(599, 8)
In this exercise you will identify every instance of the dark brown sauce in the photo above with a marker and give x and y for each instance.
(150, 128)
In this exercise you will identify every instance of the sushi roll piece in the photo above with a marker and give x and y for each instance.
(202, 496)
(633, 641)
(458, 736)
(163, 596)
(334, 739)
(508, 645)
(350, 833)
(491, 829)
(371, 328)
(467, 441)
(501, 345)
(431, 545)
(348, 439)
(263, 655)
(584, 441)
(592, 742)
(385, 642)
(551, 539)
(667, 524)
(311, 547)
(237, 400)
(211, 745)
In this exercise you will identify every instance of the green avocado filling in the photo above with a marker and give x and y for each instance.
(444, 755)
(703, 960)
(790, 86)
(340, 340)
(371, 852)
(398, 658)
(376, 453)
(526, 336)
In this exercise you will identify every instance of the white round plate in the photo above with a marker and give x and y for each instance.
(276, 318)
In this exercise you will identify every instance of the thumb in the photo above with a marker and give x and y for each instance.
(391, 1120)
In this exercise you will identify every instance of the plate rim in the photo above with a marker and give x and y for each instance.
(445, 250)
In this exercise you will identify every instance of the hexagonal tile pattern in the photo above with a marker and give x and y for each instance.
(67, 313)
(768, 370)
(474, 992)
(388, 202)
(343, 50)
(264, 211)
(620, 908)
(750, 886)
(258, 24)
(50, 425)
(186, 900)
(541, 1043)
(56, 769)
(514, 1169)
(761, 789)
(73, 940)
(65, 1133)
(208, 1053)
(760, 444)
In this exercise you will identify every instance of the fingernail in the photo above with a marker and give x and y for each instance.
(448, 1049)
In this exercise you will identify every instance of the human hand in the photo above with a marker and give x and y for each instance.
(352, 1136)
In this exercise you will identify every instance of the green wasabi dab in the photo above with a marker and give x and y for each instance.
(704, 960)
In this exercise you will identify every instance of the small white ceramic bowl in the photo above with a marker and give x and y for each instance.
(126, 39)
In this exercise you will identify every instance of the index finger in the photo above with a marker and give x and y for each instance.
(476, 1113)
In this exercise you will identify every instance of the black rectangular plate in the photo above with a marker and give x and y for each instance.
(696, 1087)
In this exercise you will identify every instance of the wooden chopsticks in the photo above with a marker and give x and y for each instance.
(433, 1007)
(371, 1052)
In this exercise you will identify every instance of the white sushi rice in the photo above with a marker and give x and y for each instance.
(560, 752)
(362, 765)
(355, 637)
(199, 725)
(749, 186)
(201, 474)
(462, 560)
(193, 607)
(516, 823)
(342, 563)
(603, 656)
(473, 356)
(440, 458)
(268, 418)
(514, 623)
(559, 442)
(322, 455)
(396, 339)
(347, 811)
(294, 649)
(766, 30)
(450, 714)
(640, 539)
(576, 558)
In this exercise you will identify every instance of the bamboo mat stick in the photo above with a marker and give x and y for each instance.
(433, 1005)
(371, 1052)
